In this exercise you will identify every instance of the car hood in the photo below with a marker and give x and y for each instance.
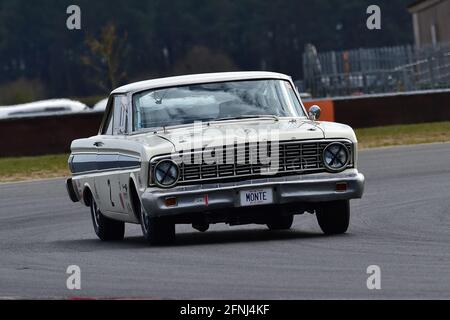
(227, 132)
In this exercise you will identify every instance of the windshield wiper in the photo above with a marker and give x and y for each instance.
(276, 118)
(164, 128)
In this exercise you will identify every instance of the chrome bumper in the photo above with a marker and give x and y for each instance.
(311, 188)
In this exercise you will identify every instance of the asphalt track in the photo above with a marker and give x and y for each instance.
(402, 225)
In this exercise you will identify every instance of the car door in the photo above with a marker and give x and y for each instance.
(108, 157)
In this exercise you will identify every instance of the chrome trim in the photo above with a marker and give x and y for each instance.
(117, 163)
(285, 172)
(293, 189)
(105, 171)
(314, 112)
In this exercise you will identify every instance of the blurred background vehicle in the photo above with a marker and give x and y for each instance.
(100, 106)
(42, 108)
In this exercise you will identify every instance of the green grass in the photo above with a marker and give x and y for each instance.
(403, 135)
(18, 169)
(26, 168)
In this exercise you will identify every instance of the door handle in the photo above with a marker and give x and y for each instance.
(99, 144)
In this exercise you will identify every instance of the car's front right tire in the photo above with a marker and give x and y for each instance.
(281, 222)
(105, 228)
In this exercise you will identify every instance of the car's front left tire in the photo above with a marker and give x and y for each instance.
(157, 231)
(106, 228)
(334, 217)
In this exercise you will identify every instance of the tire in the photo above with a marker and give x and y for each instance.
(281, 223)
(105, 228)
(156, 231)
(334, 217)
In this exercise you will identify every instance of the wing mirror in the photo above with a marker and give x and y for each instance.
(314, 112)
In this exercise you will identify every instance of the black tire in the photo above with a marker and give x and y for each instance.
(334, 217)
(105, 228)
(156, 231)
(281, 222)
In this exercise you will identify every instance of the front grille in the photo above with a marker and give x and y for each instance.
(295, 157)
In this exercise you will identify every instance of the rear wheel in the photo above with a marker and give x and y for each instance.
(106, 228)
(281, 222)
(334, 217)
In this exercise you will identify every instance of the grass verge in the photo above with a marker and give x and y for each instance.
(403, 135)
(28, 168)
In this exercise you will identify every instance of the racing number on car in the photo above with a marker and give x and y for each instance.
(110, 194)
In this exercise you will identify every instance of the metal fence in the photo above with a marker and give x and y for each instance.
(376, 70)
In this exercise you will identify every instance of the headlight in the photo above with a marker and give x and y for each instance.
(336, 157)
(166, 173)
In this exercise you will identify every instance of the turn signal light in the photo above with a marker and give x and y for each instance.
(170, 202)
(341, 187)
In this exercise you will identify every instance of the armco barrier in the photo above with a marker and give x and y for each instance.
(49, 135)
(326, 106)
(388, 109)
(402, 108)
(45, 135)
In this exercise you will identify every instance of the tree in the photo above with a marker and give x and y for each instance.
(153, 38)
(200, 60)
(106, 57)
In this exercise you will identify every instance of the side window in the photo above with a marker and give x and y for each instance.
(120, 115)
(108, 125)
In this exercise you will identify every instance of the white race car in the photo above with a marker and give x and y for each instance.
(42, 108)
(100, 106)
(234, 148)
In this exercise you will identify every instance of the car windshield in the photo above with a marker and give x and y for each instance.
(214, 102)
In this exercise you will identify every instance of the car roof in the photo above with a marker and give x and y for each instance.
(197, 79)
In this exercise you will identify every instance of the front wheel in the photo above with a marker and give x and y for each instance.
(106, 228)
(334, 217)
(156, 230)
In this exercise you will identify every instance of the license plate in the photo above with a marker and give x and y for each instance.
(256, 197)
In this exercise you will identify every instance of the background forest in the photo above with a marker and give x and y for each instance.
(124, 41)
